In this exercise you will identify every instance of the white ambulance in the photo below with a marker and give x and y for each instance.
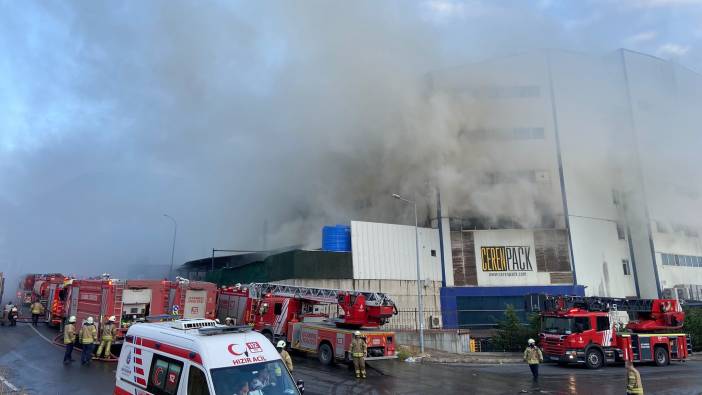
(200, 357)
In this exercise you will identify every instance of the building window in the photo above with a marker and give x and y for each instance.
(164, 375)
(620, 231)
(681, 260)
(433, 252)
(626, 267)
(615, 197)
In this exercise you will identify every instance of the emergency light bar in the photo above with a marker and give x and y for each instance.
(186, 324)
(219, 330)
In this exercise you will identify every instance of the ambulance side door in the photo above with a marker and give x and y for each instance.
(195, 382)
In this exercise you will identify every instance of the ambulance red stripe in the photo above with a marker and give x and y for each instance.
(138, 370)
(173, 350)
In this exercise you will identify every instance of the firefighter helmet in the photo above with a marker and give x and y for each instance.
(72, 319)
(89, 321)
(112, 318)
(531, 341)
(357, 333)
(281, 344)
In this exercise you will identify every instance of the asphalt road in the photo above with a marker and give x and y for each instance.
(31, 363)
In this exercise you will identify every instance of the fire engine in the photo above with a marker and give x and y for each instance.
(295, 314)
(132, 301)
(47, 289)
(596, 331)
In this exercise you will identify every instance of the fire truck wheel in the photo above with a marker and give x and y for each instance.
(594, 359)
(662, 358)
(325, 354)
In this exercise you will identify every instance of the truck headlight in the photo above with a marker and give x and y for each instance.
(571, 354)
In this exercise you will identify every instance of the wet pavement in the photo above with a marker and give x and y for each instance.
(33, 364)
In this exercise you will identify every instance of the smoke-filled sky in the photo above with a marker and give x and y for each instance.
(229, 114)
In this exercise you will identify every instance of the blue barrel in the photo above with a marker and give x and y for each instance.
(336, 238)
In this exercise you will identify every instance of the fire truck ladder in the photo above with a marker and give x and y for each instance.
(324, 295)
(119, 305)
(594, 303)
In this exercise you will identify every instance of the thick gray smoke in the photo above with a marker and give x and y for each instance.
(227, 116)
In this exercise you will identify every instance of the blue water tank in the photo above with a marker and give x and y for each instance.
(336, 238)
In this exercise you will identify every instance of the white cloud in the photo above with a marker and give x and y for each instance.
(642, 37)
(664, 3)
(444, 9)
(672, 49)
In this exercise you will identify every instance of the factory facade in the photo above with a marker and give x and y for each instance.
(595, 149)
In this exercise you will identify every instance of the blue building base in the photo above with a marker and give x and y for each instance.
(480, 307)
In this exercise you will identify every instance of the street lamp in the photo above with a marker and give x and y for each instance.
(420, 298)
(175, 232)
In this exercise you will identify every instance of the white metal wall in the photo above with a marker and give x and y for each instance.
(387, 251)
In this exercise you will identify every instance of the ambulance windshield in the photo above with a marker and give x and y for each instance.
(265, 378)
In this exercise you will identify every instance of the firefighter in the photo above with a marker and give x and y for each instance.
(13, 316)
(109, 331)
(533, 356)
(358, 352)
(37, 310)
(88, 337)
(634, 386)
(69, 339)
(284, 355)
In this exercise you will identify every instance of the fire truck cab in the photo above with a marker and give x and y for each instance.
(199, 356)
(596, 331)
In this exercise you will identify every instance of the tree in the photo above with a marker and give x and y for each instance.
(511, 334)
(693, 327)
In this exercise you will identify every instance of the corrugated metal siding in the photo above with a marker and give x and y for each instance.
(387, 251)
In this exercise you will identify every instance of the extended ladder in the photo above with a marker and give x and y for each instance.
(323, 295)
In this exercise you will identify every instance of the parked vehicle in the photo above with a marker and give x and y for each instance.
(292, 313)
(595, 331)
(198, 356)
(132, 301)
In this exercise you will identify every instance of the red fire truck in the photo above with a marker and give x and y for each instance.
(132, 301)
(595, 331)
(47, 289)
(296, 314)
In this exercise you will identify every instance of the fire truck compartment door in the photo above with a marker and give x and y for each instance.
(136, 296)
(195, 301)
(646, 354)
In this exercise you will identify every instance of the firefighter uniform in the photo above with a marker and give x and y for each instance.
(358, 352)
(533, 356)
(286, 359)
(633, 382)
(88, 336)
(109, 331)
(37, 310)
(69, 338)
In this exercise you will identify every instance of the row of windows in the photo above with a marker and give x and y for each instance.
(522, 133)
(682, 260)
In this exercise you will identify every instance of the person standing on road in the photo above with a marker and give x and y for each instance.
(37, 310)
(284, 355)
(88, 337)
(69, 339)
(109, 331)
(358, 352)
(13, 316)
(634, 386)
(533, 356)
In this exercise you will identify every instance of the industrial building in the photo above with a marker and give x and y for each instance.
(579, 183)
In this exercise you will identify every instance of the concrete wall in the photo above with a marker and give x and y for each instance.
(443, 340)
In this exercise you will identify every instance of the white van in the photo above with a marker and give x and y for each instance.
(200, 357)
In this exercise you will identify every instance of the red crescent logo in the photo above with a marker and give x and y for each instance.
(231, 350)
(157, 373)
